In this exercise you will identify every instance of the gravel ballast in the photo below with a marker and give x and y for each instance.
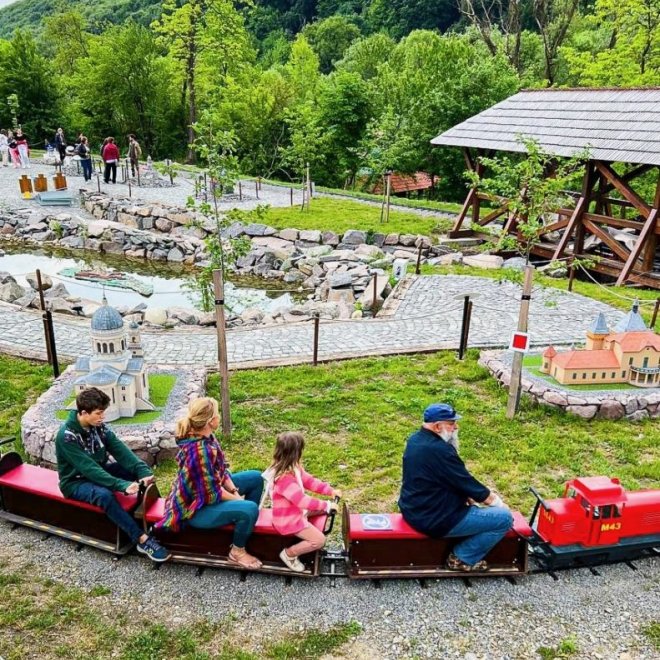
(492, 619)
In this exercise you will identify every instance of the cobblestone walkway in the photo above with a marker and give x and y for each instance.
(428, 318)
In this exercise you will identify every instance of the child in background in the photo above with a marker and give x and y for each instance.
(287, 482)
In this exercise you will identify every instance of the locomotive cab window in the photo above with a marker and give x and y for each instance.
(610, 511)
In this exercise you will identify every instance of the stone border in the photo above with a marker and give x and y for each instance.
(152, 442)
(634, 405)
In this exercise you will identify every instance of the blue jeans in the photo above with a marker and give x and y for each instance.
(86, 164)
(242, 514)
(484, 529)
(86, 491)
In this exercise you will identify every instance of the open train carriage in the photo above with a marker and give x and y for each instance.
(595, 522)
(385, 546)
(210, 548)
(30, 496)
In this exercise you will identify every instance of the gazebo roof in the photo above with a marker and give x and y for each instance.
(618, 125)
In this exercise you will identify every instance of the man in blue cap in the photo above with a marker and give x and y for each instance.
(440, 498)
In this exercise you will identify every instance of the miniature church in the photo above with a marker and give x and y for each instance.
(116, 365)
(630, 354)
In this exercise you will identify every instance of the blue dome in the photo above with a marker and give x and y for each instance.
(107, 318)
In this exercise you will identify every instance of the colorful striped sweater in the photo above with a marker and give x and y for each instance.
(290, 503)
(202, 471)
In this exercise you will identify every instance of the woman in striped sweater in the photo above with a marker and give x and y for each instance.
(287, 483)
(205, 495)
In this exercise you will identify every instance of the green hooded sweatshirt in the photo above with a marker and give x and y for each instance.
(81, 453)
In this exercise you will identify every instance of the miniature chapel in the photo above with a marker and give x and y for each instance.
(630, 354)
(116, 365)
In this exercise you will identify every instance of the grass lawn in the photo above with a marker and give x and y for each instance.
(160, 386)
(338, 215)
(532, 363)
(43, 619)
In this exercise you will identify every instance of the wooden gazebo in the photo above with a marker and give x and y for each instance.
(615, 126)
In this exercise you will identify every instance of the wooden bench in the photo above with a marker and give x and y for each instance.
(385, 546)
(210, 547)
(30, 496)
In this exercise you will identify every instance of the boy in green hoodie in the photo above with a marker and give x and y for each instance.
(84, 445)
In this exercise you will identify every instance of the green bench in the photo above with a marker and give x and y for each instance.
(55, 198)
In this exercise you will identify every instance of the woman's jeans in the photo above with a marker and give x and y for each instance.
(484, 527)
(86, 164)
(86, 491)
(242, 514)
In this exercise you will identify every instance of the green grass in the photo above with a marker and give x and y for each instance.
(532, 364)
(41, 618)
(338, 215)
(160, 386)
(567, 648)
(652, 633)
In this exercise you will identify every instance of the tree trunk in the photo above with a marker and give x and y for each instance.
(192, 99)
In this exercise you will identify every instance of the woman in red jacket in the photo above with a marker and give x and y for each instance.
(110, 155)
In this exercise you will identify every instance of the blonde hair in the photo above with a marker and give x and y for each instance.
(200, 412)
(288, 452)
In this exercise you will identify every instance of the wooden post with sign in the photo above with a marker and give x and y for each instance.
(516, 367)
(219, 292)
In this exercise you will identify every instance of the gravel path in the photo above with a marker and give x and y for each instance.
(491, 620)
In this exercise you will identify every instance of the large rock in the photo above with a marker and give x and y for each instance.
(164, 225)
(252, 316)
(289, 234)
(96, 229)
(281, 247)
(447, 259)
(11, 291)
(330, 238)
(345, 296)
(186, 316)
(339, 280)
(293, 276)
(491, 261)
(155, 315)
(367, 297)
(57, 291)
(611, 410)
(257, 229)
(310, 236)
(515, 263)
(175, 254)
(354, 237)
(61, 306)
(407, 240)
(371, 251)
(46, 281)
(586, 412)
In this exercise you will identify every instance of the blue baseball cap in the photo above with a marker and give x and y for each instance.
(440, 412)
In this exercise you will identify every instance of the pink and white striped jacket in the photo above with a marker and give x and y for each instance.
(290, 503)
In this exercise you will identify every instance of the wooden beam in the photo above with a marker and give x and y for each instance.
(647, 230)
(628, 177)
(469, 162)
(554, 226)
(614, 222)
(652, 239)
(490, 197)
(611, 242)
(494, 214)
(461, 216)
(624, 188)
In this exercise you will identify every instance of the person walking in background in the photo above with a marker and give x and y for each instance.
(85, 155)
(60, 144)
(4, 148)
(110, 155)
(23, 148)
(134, 153)
(13, 150)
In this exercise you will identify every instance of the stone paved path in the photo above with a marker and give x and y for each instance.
(428, 318)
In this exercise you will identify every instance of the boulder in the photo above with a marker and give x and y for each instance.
(391, 239)
(57, 291)
(155, 315)
(367, 297)
(257, 229)
(164, 225)
(490, 261)
(354, 237)
(186, 316)
(330, 238)
(252, 316)
(371, 251)
(61, 306)
(310, 236)
(339, 280)
(555, 398)
(282, 247)
(30, 299)
(293, 276)
(89, 308)
(96, 229)
(234, 230)
(516, 263)
(586, 412)
(638, 416)
(288, 234)
(46, 281)
(6, 277)
(345, 296)
(319, 251)
(407, 240)
(175, 254)
(611, 410)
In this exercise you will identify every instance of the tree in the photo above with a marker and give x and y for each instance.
(198, 33)
(67, 38)
(366, 55)
(400, 17)
(330, 38)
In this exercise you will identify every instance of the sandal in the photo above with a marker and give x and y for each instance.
(244, 559)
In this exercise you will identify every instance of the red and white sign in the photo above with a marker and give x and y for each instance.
(519, 342)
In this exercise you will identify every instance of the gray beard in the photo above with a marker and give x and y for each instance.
(450, 437)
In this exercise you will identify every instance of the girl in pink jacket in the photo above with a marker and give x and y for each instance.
(287, 482)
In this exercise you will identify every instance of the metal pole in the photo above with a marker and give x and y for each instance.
(373, 300)
(571, 276)
(240, 191)
(309, 187)
(98, 182)
(516, 367)
(130, 192)
(655, 313)
(42, 305)
(169, 171)
(462, 344)
(219, 292)
(317, 321)
(291, 195)
(51, 339)
(256, 188)
(419, 258)
(137, 170)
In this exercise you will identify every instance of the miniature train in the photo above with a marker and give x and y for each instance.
(596, 521)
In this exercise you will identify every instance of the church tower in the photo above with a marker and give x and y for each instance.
(597, 333)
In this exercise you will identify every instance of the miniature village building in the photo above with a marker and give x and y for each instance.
(630, 354)
(116, 365)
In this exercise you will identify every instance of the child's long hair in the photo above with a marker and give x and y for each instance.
(288, 452)
(200, 412)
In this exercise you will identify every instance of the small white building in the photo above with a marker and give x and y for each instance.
(116, 365)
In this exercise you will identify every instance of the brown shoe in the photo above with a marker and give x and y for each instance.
(455, 564)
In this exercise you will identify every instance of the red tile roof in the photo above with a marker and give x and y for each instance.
(586, 360)
(633, 342)
(549, 352)
(406, 183)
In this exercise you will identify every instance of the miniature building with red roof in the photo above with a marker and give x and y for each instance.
(630, 354)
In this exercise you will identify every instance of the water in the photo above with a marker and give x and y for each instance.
(174, 286)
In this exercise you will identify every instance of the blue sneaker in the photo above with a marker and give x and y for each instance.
(154, 550)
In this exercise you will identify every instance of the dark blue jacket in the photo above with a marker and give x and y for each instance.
(436, 485)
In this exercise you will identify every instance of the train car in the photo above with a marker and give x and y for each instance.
(595, 521)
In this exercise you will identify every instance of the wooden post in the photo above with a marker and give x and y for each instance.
(130, 192)
(98, 181)
(571, 275)
(465, 327)
(137, 171)
(655, 313)
(419, 258)
(169, 171)
(256, 188)
(240, 191)
(388, 191)
(309, 186)
(317, 321)
(42, 305)
(219, 292)
(291, 195)
(516, 367)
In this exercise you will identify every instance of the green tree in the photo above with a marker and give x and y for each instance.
(366, 55)
(330, 38)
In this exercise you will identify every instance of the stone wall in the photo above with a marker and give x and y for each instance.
(152, 442)
(635, 404)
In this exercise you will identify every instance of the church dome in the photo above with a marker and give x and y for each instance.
(107, 318)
